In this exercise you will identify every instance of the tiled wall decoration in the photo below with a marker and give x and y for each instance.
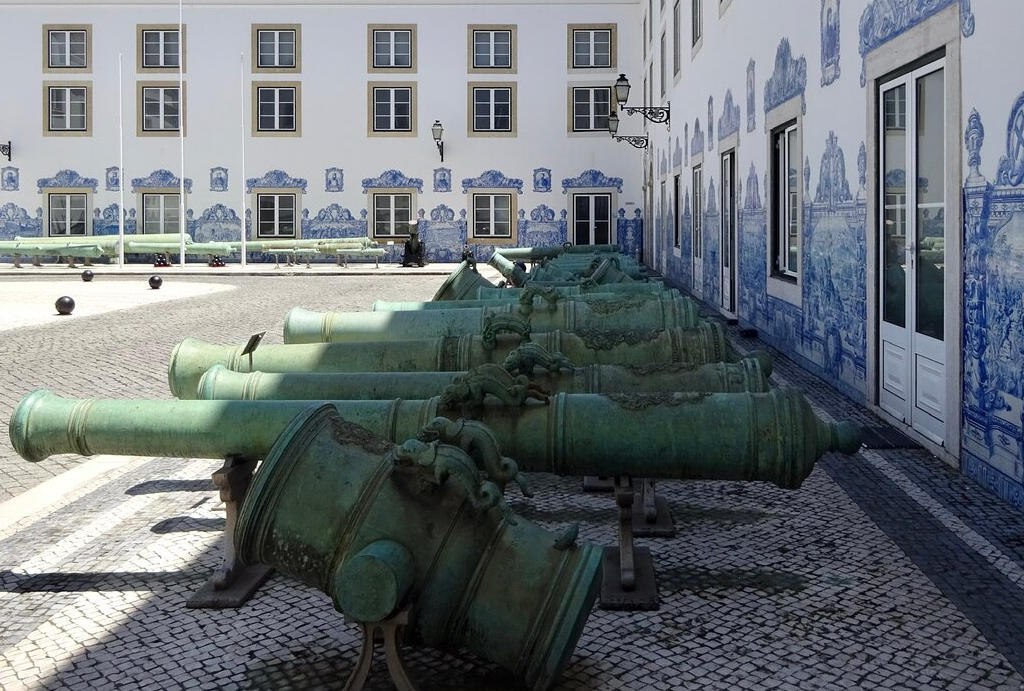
(829, 41)
(161, 178)
(788, 80)
(10, 179)
(334, 180)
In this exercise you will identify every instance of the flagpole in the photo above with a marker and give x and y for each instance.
(241, 177)
(120, 163)
(181, 130)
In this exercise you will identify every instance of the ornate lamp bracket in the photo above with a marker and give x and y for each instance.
(639, 142)
(656, 114)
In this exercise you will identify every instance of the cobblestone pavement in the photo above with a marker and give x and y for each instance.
(885, 570)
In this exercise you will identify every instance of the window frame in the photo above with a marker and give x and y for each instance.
(67, 192)
(140, 48)
(371, 88)
(162, 192)
(371, 65)
(697, 217)
(677, 211)
(613, 47)
(513, 196)
(255, 48)
(85, 69)
(140, 117)
(296, 196)
(677, 38)
(592, 192)
(696, 26)
(372, 205)
(471, 31)
(255, 105)
(471, 130)
(87, 85)
(663, 72)
(780, 204)
(571, 107)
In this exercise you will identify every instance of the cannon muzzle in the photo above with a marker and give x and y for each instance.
(382, 528)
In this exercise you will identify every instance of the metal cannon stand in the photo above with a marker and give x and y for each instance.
(388, 631)
(628, 580)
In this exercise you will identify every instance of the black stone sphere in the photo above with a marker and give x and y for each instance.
(155, 282)
(87, 275)
(64, 305)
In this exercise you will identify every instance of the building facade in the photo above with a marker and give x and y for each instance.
(331, 105)
(827, 179)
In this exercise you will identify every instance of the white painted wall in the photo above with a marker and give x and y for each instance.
(334, 75)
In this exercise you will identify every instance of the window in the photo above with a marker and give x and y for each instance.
(677, 63)
(67, 108)
(276, 215)
(67, 214)
(592, 46)
(698, 212)
(161, 213)
(697, 10)
(277, 108)
(159, 48)
(66, 47)
(492, 108)
(676, 218)
(392, 108)
(492, 215)
(591, 106)
(592, 219)
(276, 48)
(392, 213)
(785, 179)
(664, 65)
(492, 48)
(392, 47)
(161, 108)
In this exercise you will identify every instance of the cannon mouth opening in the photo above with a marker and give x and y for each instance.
(18, 428)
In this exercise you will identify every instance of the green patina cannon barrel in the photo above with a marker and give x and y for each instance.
(633, 287)
(771, 436)
(220, 383)
(533, 299)
(620, 312)
(535, 253)
(702, 344)
(462, 283)
(382, 528)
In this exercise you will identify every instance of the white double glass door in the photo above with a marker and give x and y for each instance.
(912, 246)
(728, 247)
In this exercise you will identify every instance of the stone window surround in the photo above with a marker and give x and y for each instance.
(413, 110)
(47, 28)
(570, 52)
(254, 233)
(254, 128)
(413, 48)
(87, 132)
(570, 120)
(513, 211)
(139, 48)
(514, 111)
(570, 234)
(141, 205)
(513, 28)
(788, 288)
(257, 28)
(67, 190)
(371, 226)
(182, 109)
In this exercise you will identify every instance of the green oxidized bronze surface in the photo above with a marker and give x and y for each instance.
(771, 436)
(702, 344)
(620, 312)
(584, 288)
(529, 300)
(220, 383)
(462, 283)
(380, 528)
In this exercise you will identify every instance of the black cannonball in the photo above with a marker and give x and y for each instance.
(64, 305)
(155, 282)
(87, 275)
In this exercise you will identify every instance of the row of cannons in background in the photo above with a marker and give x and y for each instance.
(163, 245)
(388, 439)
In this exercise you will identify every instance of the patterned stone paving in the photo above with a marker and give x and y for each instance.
(884, 570)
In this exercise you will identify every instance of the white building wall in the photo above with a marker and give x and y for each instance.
(334, 80)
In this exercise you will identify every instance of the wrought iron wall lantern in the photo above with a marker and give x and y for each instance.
(639, 142)
(656, 114)
(5, 150)
(437, 129)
